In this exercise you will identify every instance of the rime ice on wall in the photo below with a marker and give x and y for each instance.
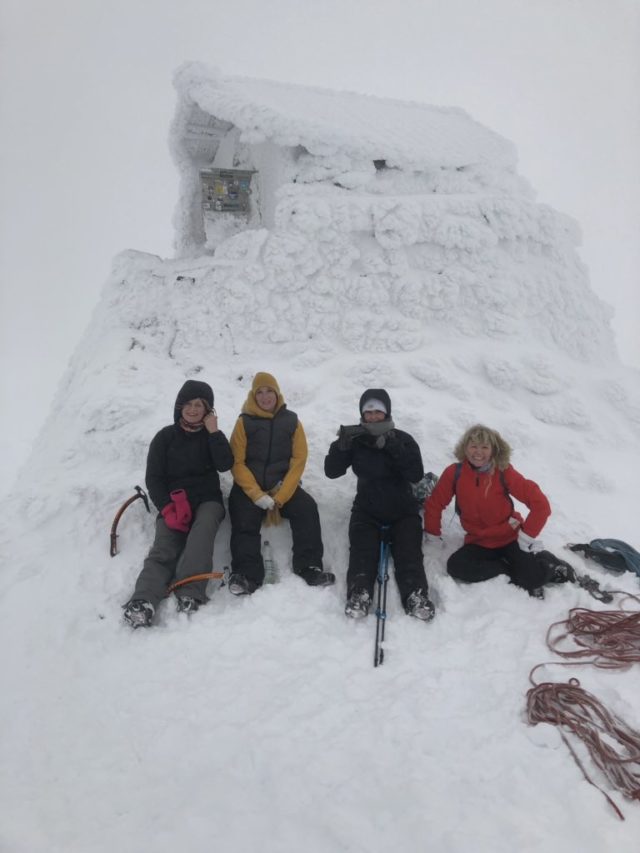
(395, 221)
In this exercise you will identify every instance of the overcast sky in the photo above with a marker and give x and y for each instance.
(86, 102)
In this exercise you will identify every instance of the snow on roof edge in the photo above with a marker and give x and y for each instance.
(408, 133)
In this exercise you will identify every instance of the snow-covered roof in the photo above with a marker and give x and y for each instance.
(404, 133)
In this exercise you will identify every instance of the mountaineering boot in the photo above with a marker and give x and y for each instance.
(419, 605)
(557, 571)
(241, 585)
(358, 603)
(138, 613)
(187, 604)
(563, 573)
(315, 576)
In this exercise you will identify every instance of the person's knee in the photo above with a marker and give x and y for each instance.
(454, 572)
(300, 506)
(210, 513)
(457, 568)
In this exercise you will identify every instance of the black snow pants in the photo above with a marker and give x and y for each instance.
(474, 563)
(246, 519)
(405, 535)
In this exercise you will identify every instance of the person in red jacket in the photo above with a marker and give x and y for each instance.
(498, 539)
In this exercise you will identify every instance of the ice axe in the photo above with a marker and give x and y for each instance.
(140, 493)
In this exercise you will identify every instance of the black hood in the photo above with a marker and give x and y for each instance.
(376, 394)
(191, 390)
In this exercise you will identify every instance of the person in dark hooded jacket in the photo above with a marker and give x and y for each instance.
(386, 462)
(182, 478)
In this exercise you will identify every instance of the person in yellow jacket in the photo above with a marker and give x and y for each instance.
(270, 452)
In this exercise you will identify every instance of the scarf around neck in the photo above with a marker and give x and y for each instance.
(191, 427)
(483, 469)
(378, 427)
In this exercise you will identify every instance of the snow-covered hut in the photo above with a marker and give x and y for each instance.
(405, 214)
(291, 135)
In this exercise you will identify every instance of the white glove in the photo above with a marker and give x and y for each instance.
(265, 502)
(526, 543)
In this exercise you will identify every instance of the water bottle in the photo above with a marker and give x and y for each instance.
(270, 568)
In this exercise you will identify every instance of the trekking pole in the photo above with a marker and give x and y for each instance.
(381, 607)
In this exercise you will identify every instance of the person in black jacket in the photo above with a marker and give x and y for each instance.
(183, 482)
(386, 462)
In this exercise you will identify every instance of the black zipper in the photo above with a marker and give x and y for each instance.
(268, 459)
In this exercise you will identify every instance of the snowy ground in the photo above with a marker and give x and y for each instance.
(260, 723)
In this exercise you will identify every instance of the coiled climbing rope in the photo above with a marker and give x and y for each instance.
(606, 639)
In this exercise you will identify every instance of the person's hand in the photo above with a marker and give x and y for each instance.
(265, 502)
(346, 434)
(210, 421)
(528, 543)
(183, 508)
(168, 513)
(177, 514)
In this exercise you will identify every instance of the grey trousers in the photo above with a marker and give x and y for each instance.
(175, 555)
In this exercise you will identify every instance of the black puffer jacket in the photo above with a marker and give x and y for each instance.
(187, 460)
(269, 446)
(384, 473)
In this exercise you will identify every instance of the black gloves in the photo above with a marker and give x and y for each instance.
(346, 434)
(386, 440)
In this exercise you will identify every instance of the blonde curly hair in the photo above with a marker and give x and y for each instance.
(500, 450)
